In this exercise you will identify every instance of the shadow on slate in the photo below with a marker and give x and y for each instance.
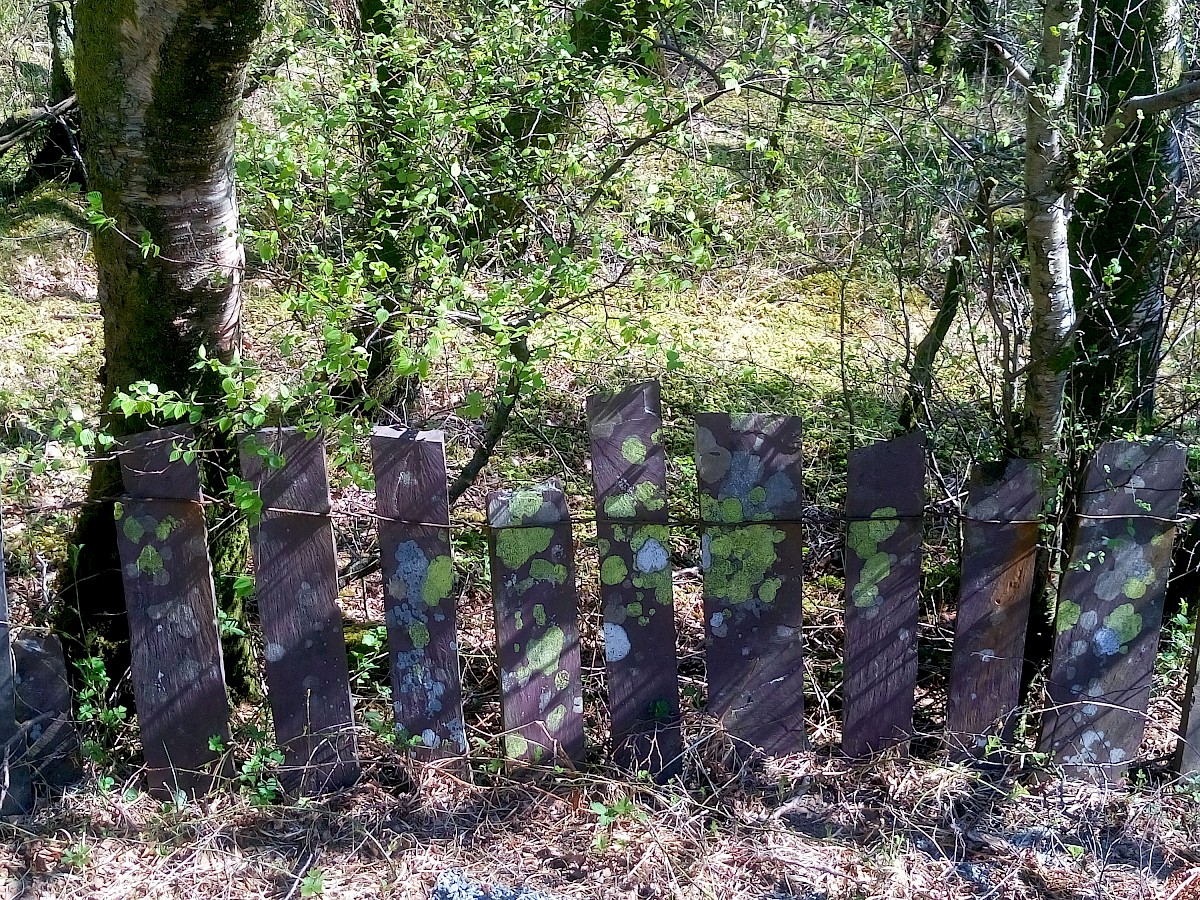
(752, 554)
(453, 884)
(630, 480)
(885, 499)
(1110, 608)
(175, 646)
(1000, 532)
(308, 679)
(15, 790)
(44, 709)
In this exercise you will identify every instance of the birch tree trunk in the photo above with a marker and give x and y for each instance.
(1047, 214)
(159, 84)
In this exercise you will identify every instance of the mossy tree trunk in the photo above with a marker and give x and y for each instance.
(1135, 50)
(159, 87)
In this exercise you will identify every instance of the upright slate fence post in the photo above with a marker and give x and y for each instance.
(629, 476)
(1110, 606)
(175, 646)
(1000, 532)
(884, 505)
(16, 792)
(751, 501)
(418, 576)
(295, 562)
(1187, 756)
(537, 623)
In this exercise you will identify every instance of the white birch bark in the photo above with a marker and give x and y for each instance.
(1047, 213)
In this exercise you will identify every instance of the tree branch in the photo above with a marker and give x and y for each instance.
(18, 128)
(1003, 55)
(1135, 108)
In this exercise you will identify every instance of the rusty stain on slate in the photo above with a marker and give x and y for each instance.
(749, 469)
(1110, 606)
(308, 680)
(418, 576)
(537, 623)
(884, 507)
(16, 792)
(1000, 532)
(44, 708)
(630, 482)
(176, 664)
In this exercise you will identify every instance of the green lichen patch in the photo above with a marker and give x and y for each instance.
(439, 580)
(613, 570)
(737, 561)
(620, 507)
(133, 530)
(633, 450)
(875, 569)
(543, 654)
(164, 528)
(539, 615)
(418, 633)
(515, 745)
(1068, 615)
(864, 536)
(544, 570)
(1125, 622)
(516, 546)
(556, 717)
(150, 561)
(524, 504)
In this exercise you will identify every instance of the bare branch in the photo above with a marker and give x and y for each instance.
(1135, 108)
(16, 129)
(1003, 55)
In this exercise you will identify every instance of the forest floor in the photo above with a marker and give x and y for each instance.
(812, 825)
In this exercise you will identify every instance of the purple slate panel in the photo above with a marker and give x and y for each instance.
(418, 575)
(16, 793)
(308, 680)
(537, 623)
(630, 481)
(1187, 756)
(752, 549)
(175, 646)
(1000, 532)
(44, 709)
(1110, 604)
(885, 501)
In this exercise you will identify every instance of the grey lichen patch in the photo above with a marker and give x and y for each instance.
(179, 617)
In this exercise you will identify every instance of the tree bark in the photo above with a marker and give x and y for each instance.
(1047, 213)
(159, 84)
(1123, 217)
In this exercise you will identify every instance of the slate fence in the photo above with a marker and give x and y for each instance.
(749, 471)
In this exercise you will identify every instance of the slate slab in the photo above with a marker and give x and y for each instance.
(749, 469)
(630, 480)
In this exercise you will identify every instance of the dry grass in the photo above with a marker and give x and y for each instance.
(808, 826)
